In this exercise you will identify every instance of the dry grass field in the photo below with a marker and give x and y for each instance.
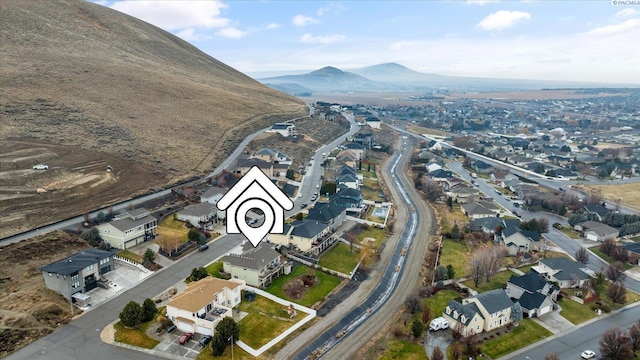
(83, 86)
(627, 194)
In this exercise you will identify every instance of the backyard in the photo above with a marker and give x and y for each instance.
(455, 253)
(498, 281)
(400, 349)
(136, 337)
(173, 229)
(340, 258)
(438, 302)
(266, 319)
(373, 232)
(371, 190)
(527, 332)
(326, 283)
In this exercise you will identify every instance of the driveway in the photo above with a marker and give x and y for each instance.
(554, 322)
(441, 338)
(170, 345)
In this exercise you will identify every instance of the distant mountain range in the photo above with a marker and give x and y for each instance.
(396, 77)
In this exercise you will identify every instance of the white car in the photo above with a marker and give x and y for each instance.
(40, 167)
(587, 354)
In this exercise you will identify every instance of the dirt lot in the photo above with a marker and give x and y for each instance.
(76, 182)
(626, 194)
(28, 310)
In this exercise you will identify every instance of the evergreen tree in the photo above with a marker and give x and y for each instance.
(149, 310)
(132, 314)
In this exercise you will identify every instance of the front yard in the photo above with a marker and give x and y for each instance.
(266, 319)
(172, 228)
(605, 257)
(528, 332)
(438, 302)
(214, 270)
(401, 349)
(313, 294)
(340, 258)
(136, 337)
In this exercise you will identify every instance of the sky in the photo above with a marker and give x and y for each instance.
(595, 41)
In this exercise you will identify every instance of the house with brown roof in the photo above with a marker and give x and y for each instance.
(204, 303)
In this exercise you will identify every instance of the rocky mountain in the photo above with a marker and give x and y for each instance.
(80, 74)
(326, 79)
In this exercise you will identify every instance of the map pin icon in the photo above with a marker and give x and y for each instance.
(255, 234)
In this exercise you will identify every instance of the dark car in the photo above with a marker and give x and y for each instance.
(203, 247)
(205, 340)
(185, 337)
(171, 328)
(303, 205)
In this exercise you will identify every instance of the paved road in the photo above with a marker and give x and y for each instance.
(367, 318)
(80, 339)
(570, 344)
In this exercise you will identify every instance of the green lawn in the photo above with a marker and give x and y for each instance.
(373, 232)
(266, 319)
(316, 293)
(454, 253)
(368, 174)
(400, 349)
(525, 269)
(607, 258)
(498, 281)
(371, 189)
(340, 258)
(214, 269)
(130, 255)
(528, 332)
(136, 337)
(570, 232)
(575, 312)
(438, 302)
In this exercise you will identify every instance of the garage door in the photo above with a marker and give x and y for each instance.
(204, 330)
(544, 310)
(184, 326)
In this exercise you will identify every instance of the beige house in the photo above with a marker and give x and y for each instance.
(483, 312)
(303, 235)
(129, 229)
(204, 303)
(258, 267)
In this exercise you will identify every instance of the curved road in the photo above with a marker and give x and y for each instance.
(374, 310)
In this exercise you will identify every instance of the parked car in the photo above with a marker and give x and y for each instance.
(171, 329)
(203, 247)
(439, 323)
(314, 197)
(40, 167)
(185, 338)
(205, 340)
(587, 354)
(303, 205)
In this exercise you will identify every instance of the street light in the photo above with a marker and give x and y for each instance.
(231, 338)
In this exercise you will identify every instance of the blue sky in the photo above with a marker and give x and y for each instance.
(596, 40)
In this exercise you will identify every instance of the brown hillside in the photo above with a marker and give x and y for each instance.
(81, 74)
(83, 87)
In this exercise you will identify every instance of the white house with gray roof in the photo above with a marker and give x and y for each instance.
(129, 229)
(566, 273)
(483, 312)
(258, 267)
(304, 235)
(199, 215)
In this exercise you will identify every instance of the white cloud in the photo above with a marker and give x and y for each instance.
(502, 19)
(334, 8)
(176, 15)
(302, 20)
(321, 39)
(188, 34)
(273, 26)
(628, 12)
(481, 2)
(231, 33)
(631, 25)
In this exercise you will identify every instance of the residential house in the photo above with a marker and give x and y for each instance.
(280, 170)
(307, 236)
(77, 273)
(597, 231)
(432, 166)
(440, 174)
(213, 195)
(204, 303)
(348, 180)
(128, 229)
(244, 165)
(533, 292)
(258, 266)
(486, 224)
(366, 140)
(199, 215)
(273, 156)
(482, 167)
(284, 129)
(463, 194)
(348, 198)
(566, 273)
(499, 177)
(598, 210)
(483, 312)
(347, 158)
(477, 211)
(566, 174)
(520, 241)
(357, 149)
(634, 251)
(373, 122)
(329, 213)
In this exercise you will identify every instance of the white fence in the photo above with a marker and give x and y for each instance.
(133, 263)
(363, 221)
(277, 339)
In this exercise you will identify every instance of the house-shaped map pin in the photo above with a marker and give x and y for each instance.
(255, 190)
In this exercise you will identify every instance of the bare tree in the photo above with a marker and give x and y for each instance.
(582, 255)
(552, 356)
(543, 224)
(494, 258)
(427, 315)
(608, 246)
(476, 268)
(471, 343)
(617, 292)
(615, 272)
(616, 345)
(412, 303)
(457, 331)
(457, 350)
(437, 354)
(634, 335)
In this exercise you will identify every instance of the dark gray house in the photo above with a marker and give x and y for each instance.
(77, 273)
